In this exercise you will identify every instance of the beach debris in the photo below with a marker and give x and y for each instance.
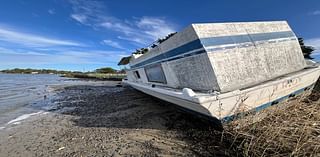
(61, 148)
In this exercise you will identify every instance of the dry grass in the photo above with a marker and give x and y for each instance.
(291, 128)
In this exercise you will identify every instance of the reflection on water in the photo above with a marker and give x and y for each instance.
(24, 93)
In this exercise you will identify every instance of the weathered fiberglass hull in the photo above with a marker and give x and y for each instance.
(221, 70)
(227, 106)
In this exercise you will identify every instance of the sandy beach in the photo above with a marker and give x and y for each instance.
(106, 120)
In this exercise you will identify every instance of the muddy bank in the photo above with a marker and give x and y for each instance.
(109, 121)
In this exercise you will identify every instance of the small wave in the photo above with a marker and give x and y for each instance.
(23, 117)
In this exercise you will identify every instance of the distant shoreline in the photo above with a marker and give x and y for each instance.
(36, 71)
(82, 76)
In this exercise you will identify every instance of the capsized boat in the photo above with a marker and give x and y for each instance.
(221, 70)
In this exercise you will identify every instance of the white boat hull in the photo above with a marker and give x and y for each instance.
(227, 106)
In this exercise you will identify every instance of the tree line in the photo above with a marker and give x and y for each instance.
(105, 70)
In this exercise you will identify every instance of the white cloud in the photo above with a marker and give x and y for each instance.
(51, 11)
(117, 26)
(155, 27)
(11, 52)
(112, 44)
(86, 12)
(91, 54)
(32, 40)
(316, 12)
(142, 31)
(79, 17)
(128, 32)
(315, 42)
(140, 41)
(63, 56)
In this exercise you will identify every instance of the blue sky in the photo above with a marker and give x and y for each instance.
(86, 34)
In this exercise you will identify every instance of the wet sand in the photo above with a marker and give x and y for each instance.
(106, 120)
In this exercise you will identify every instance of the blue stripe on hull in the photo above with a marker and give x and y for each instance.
(196, 44)
(266, 105)
(224, 40)
(213, 41)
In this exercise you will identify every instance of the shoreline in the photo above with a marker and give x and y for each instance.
(20, 98)
(103, 120)
(80, 76)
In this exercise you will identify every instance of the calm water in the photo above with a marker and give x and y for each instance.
(22, 94)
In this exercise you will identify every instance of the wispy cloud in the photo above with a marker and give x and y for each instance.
(316, 12)
(87, 12)
(31, 40)
(51, 11)
(155, 27)
(6, 51)
(140, 30)
(138, 40)
(112, 44)
(118, 26)
(315, 42)
(19, 48)
(79, 17)
(64, 56)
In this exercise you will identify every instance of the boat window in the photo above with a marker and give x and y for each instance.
(136, 74)
(155, 73)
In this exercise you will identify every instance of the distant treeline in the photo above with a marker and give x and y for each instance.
(106, 73)
(106, 70)
(39, 71)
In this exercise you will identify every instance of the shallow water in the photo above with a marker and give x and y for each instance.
(23, 94)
